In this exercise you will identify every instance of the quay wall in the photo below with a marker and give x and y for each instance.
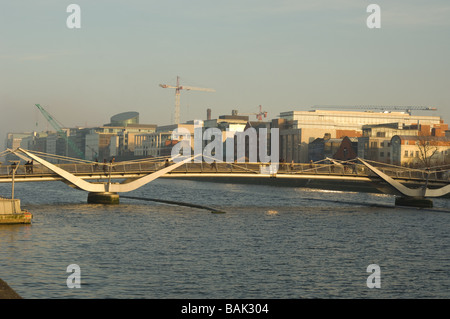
(6, 292)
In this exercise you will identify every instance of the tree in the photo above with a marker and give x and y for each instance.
(428, 148)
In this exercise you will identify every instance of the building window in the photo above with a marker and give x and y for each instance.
(406, 153)
(381, 154)
(417, 153)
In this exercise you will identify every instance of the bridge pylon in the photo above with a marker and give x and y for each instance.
(103, 198)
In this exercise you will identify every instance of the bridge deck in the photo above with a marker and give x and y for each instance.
(39, 172)
(357, 174)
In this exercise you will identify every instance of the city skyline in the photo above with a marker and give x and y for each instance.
(285, 56)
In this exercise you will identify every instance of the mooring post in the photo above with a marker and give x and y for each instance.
(109, 178)
(14, 169)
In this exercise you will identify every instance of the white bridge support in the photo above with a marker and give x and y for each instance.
(411, 196)
(103, 193)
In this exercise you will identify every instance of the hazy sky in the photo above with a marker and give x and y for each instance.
(281, 54)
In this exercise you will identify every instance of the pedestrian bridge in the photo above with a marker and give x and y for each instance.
(100, 178)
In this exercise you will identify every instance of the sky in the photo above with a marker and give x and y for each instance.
(284, 55)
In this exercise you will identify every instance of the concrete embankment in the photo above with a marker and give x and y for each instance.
(11, 213)
(6, 292)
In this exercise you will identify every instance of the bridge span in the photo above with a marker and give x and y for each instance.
(104, 181)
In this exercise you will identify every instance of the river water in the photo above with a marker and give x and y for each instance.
(271, 242)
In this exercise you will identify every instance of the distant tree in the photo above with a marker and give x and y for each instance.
(428, 148)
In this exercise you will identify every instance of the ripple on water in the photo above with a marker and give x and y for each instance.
(270, 243)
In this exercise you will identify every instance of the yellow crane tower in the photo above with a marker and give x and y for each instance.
(178, 88)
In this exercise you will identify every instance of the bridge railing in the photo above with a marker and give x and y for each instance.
(416, 174)
(251, 168)
(329, 169)
(204, 167)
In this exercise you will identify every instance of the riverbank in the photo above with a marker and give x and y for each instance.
(6, 292)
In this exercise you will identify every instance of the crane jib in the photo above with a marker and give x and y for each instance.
(60, 131)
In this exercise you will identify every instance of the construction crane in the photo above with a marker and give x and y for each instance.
(407, 109)
(259, 115)
(58, 127)
(178, 88)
